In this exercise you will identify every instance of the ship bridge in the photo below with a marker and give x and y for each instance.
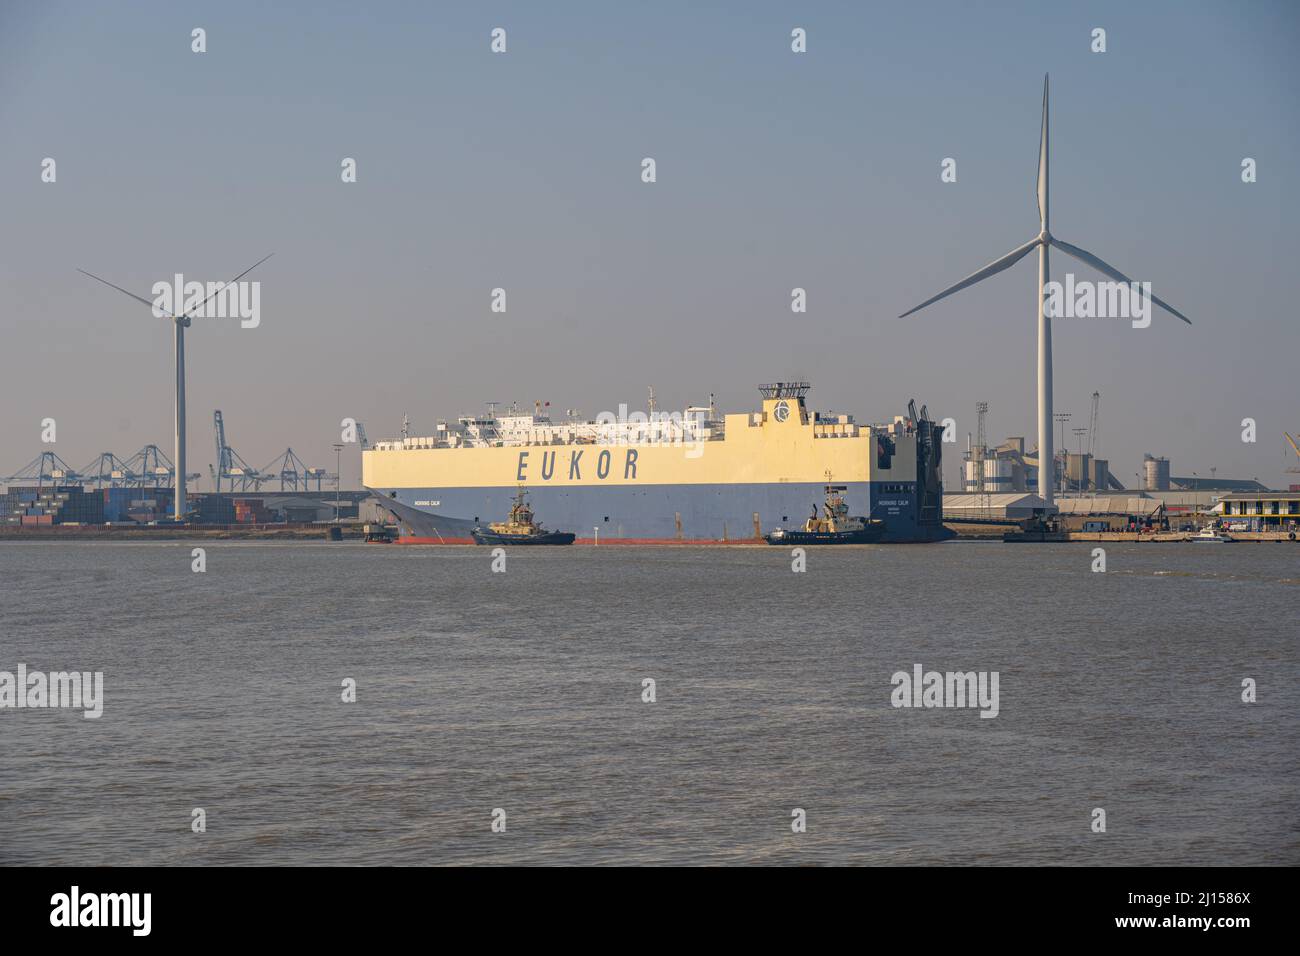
(797, 390)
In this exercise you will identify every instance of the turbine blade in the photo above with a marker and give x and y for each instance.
(1106, 269)
(1042, 161)
(231, 282)
(993, 268)
(123, 291)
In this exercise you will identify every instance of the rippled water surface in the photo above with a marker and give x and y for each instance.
(523, 691)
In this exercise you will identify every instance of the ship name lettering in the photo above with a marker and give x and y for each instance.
(604, 465)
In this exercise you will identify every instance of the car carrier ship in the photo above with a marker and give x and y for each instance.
(688, 477)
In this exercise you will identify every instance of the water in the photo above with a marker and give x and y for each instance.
(522, 691)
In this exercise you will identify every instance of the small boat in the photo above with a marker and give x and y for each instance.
(378, 534)
(836, 526)
(1211, 536)
(519, 528)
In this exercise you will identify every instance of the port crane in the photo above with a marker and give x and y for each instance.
(1295, 448)
(148, 468)
(105, 471)
(293, 473)
(46, 467)
(230, 467)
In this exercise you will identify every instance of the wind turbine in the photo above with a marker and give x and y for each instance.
(179, 324)
(1041, 242)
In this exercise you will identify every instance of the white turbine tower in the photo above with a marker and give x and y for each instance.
(179, 324)
(1041, 242)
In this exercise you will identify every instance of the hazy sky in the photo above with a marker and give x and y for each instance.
(522, 171)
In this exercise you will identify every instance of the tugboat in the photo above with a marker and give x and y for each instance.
(519, 528)
(834, 527)
(378, 534)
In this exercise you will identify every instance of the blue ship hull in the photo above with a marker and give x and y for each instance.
(699, 514)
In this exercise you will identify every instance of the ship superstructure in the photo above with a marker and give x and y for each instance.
(696, 423)
(680, 477)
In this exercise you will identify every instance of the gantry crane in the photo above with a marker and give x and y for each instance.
(230, 467)
(293, 473)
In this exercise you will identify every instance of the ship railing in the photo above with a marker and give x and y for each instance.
(664, 438)
(835, 431)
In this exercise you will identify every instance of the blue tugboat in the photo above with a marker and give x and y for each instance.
(836, 526)
(519, 528)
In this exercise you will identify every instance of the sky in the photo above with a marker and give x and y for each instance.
(523, 171)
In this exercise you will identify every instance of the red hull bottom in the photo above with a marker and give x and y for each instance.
(690, 542)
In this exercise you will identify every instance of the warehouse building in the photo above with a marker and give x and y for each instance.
(996, 507)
